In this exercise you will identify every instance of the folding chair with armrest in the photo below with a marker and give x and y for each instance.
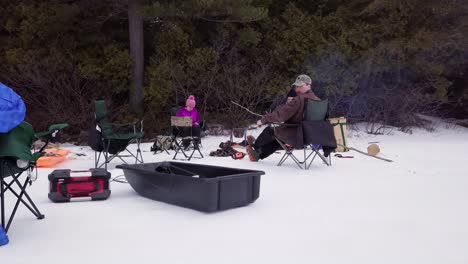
(116, 138)
(16, 159)
(314, 133)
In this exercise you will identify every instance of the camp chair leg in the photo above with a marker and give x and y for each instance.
(179, 147)
(115, 156)
(323, 158)
(138, 141)
(2, 199)
(106, 155)
(34, 210)
(287, 154)
(4, 186)
(316, 153)
(312, 152)
(181, 151)
(200, 153)
(163, 149)
(176, 145)
(305, 158)
(298, 162)
(96, 159)
(15, 208)
(191, 155)
(138, 157)
(285, 157)
(109, 157)
(161, 143)
(196, 147)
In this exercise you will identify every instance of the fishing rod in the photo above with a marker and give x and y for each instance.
(362, 152)
(245, 108)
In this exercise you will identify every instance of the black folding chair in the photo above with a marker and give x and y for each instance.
(184, 141)
(313, 134)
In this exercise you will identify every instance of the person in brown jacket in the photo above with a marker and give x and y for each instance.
(283, 99)
(290, 113)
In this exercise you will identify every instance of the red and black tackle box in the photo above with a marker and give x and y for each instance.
(67, 184)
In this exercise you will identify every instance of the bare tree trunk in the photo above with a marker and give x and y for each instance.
(135, 27)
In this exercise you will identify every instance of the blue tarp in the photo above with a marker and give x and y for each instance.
(12, 109)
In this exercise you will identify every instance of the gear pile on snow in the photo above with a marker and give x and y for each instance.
(226, 150)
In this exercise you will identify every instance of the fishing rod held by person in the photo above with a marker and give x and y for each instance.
(245, 108)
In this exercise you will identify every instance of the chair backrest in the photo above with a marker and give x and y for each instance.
(315, 110)
(181, 121)
(17, 143)
(174, 110)
(101, 117)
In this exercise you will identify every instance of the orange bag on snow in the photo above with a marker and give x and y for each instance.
(52, 158)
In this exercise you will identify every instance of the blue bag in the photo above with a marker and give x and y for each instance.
(12, 109)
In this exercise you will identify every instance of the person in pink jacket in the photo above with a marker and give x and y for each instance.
(190, 111)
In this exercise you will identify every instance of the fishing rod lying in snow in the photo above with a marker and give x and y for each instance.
(364, 153)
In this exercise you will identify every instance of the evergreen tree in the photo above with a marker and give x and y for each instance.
(377, 60)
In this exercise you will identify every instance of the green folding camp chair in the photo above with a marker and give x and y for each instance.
(115, 138)
(16, 159)
(314, 122)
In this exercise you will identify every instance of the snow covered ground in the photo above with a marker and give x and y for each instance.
(360, 210)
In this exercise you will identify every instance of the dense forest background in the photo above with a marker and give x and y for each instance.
(380, 61)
